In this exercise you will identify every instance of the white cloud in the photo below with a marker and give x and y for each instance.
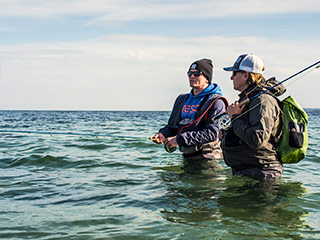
(138, 72)
(102, 11)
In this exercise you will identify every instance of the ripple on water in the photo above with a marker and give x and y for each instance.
(126, 187)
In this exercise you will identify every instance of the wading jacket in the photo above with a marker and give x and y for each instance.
(192, 138)
(253, 137)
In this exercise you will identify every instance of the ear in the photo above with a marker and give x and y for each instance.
(247, 75)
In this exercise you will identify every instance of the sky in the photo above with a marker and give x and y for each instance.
(134, 54)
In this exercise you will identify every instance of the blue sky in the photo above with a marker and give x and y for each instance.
(133, 55)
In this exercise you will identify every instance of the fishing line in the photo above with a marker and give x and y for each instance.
(303, 70)
(274, 94)
(225, 121)
(68, 134)
(302, 76)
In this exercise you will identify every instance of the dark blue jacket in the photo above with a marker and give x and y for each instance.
(203, 131)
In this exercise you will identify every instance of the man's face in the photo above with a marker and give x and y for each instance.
(197, 80)
(240, 80)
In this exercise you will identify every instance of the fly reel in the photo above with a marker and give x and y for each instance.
(224, 121)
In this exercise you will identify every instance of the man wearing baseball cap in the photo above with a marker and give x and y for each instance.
(249, 144)
(190, 126)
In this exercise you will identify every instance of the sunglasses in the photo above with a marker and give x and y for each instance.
(195, 73)
(234, 73)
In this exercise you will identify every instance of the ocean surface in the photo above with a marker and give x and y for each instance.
(95, 175)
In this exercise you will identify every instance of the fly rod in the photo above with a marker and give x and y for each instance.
(225, 120)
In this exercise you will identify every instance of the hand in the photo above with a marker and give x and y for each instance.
(158, 138)
(235, 108)
(170, 142)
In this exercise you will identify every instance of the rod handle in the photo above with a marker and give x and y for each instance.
(154, 139)
(244, 102)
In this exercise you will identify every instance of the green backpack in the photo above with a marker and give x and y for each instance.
(293, 143)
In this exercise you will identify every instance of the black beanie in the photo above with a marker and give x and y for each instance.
(205, 66)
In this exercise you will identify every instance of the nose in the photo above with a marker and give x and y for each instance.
(192, 77)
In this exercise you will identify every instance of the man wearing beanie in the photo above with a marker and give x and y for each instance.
(190, 126)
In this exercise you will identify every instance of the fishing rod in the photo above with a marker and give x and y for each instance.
(167, 148)
(225, 120)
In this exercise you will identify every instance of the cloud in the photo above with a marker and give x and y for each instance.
(103, 11)
(137, 72)
(204, 10)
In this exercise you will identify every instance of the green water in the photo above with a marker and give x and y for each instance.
(122, 186)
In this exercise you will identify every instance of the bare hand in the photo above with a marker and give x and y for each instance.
(158, 138)
(170, 142)
(235, 108)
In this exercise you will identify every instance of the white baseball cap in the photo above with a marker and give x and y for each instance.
(248, 63)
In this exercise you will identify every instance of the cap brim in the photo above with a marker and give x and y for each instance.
(228, 68)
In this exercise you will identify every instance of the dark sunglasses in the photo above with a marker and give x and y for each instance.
(234, 73)
(195, 73)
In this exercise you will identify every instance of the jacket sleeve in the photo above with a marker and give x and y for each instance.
(171, 129)
(262, 117)
(207, 134)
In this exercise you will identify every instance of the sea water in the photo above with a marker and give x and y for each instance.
(111, 182)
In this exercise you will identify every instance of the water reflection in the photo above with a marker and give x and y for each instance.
(191, 197)
(238, 205)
